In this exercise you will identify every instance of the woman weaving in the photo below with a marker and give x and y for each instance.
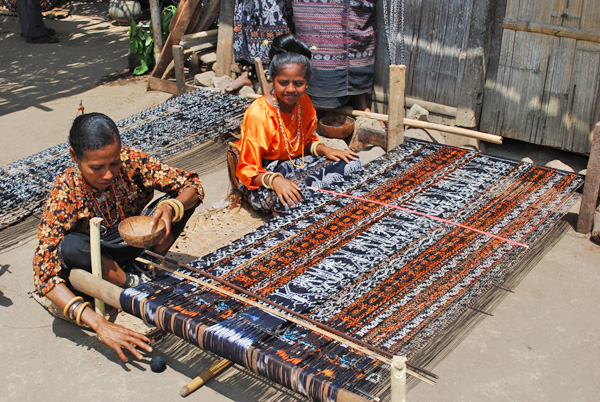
(112, 182)
(279, 153)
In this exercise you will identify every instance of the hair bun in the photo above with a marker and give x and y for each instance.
(289, 43)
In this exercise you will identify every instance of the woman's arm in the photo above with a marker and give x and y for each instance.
(115, 336)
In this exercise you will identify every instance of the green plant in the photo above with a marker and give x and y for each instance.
(165, 18)
(141, 45)
(141, 42)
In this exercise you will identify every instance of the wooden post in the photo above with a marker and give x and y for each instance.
(591, 186)
(225, 42)
(156, 28)
(178, 67)
(260, 72)
(396, 106)
(96, 258)
(398, 378)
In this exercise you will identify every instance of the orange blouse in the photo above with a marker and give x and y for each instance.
(261, 136)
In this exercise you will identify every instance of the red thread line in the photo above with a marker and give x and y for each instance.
(422, 214)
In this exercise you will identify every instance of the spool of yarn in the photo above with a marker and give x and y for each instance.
(158, 364)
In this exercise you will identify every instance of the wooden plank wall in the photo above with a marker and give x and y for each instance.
(446, 45)
(546, 88)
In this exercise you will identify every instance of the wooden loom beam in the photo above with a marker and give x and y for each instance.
(95, 287)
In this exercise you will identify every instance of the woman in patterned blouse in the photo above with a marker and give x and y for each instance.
(113, 182)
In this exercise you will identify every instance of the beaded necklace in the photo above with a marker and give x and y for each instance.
(298, 139)
(109, 222)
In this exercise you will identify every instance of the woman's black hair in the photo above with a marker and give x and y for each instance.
(286, 49)
(92, 131)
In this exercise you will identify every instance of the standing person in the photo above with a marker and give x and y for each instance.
(32, 24)
(342, 36)
(279, 153)
(256, 24)
(113, 182)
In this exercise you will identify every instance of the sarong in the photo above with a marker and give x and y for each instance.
(343, 33)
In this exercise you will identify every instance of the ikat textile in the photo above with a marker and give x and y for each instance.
(391, 278)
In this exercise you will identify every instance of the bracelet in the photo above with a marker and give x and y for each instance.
(262, 180)
(176, 206)
(272, 178)
(83, 306)
(313, 147)
(72, 309)
(69, 304)
(181, 209)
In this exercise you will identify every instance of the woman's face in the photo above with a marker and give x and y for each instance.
(289, 85)
(101, 166)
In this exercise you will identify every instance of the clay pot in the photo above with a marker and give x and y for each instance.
(121, 10)
(335, 125)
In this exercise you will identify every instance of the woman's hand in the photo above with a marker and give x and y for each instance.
(337, 154)
(118, 338)
(115, 336)
(287, 191)
(164, 212)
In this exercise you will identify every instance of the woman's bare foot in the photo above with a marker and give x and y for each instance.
(242, 81)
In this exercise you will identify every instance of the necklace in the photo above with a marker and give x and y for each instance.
(298, 139)
(109, 222)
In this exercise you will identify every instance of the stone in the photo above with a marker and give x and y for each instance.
(527, 160)
(559, 165)
(208, 58)
(221, 82)
(204, 79)
(158, 364)
(246, 90)
(367, 131)
(417, 112)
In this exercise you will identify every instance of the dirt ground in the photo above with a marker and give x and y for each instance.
(541, 343)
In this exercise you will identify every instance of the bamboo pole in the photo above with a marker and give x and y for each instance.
(591, 186)
(396, 106)
(398, 379)
(553, 30)
(96, 257)
(205, 376)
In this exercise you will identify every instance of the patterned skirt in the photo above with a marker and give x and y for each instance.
(316, 172)
(341, 35)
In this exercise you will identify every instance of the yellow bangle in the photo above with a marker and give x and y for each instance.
(272, 178)
(179, 208)
(69, 304)
(262, 179)
(83, 306)
(313, 147)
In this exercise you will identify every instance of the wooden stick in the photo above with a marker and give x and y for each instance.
(395, 128)
(96, 257)
(591, 186)
(260, 72)
(178, 67)
(287, 314)
(205, 376)
(225, 42)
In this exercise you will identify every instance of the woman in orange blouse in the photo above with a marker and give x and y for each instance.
(112, 182)
(279, 153)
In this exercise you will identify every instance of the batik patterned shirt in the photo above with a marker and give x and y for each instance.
(70, 206)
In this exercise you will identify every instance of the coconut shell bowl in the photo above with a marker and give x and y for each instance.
(335, 125)
(138, 232)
